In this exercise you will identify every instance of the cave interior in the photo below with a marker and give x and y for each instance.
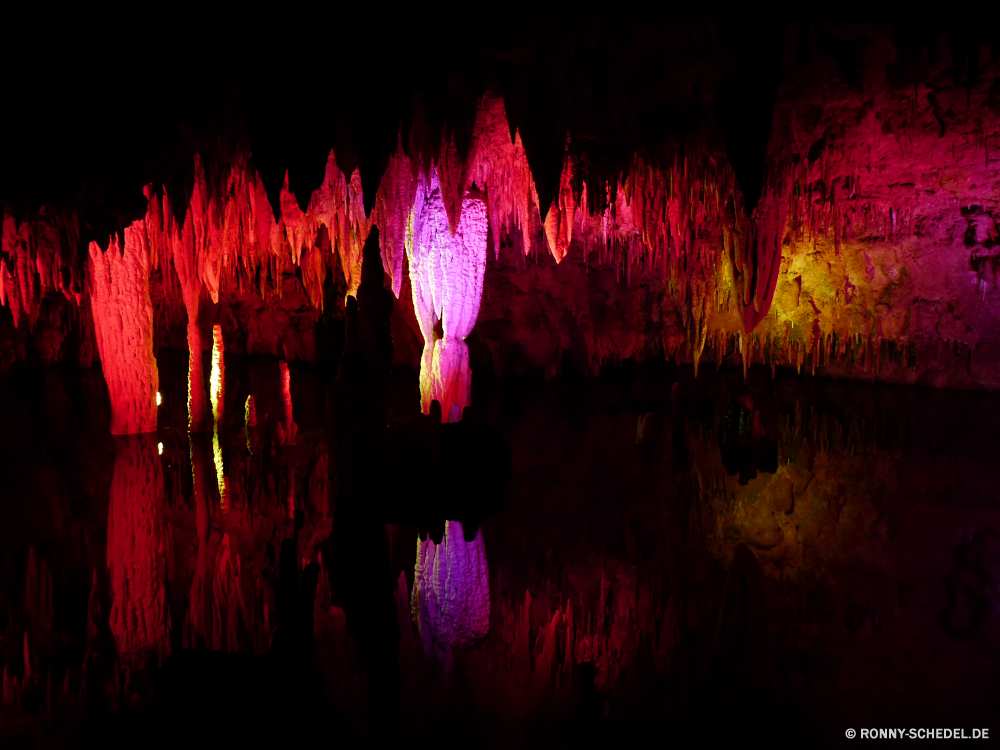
(563, 379)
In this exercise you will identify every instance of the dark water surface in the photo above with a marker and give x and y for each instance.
(779, 560)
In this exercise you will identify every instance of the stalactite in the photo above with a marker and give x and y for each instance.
(250, 413)
(681, 224)
(139, 613)
(187, 265)
(446, 274)
(123, 321)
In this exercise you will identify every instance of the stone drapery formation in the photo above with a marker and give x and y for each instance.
(446, 276)
(450, 601)
(123, 321)
(137, 552)
(188, 258)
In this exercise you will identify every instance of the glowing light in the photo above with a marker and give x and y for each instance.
(218, 380)
(159, 398)
(220, 475)
(446, 272)
(159, 447)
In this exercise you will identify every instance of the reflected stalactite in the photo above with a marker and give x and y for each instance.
(250, 413)
(286, 429)
(136, 557)
(197, 630)
(123, 321)
(450, 602)
(220, 471)
(229, 608)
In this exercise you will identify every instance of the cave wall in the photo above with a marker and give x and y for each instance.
(866, 251)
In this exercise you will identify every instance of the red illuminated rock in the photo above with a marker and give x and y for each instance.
(187, 265)
(123, 321)
(139, 617)
(218, 377)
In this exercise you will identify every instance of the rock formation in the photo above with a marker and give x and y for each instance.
(450, 602)
(123, 321)
(137, 568)
(446, 274)
(218, 380)
(187, 265)
(286, 429)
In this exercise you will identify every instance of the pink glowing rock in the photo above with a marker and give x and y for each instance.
(123, 322)
(287, 429)
(446, 274)
(450, 602)
(139, 620)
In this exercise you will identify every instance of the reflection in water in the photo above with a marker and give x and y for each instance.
(220, 471)
(137, 547)
(197, 629)
(450, 603)
(626, 583)
(784, 556)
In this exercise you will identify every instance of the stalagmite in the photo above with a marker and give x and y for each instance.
(450, 602)
(136, 564)
(218, 374)
(123, 322)
(286, 429)
(446, 273)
